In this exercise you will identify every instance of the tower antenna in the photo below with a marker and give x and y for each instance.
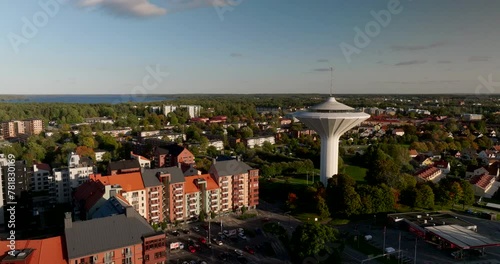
(331, 81)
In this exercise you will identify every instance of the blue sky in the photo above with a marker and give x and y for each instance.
(248, 46)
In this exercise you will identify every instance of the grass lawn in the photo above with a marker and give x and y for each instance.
(358, 173)
(306, 217)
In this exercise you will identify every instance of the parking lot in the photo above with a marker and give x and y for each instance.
(265, 248)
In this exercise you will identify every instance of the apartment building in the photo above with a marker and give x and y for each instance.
(29, 127)
(41, 178)
(133, 189)
(65, 180)
(154, 197)
(239, 184)
(124, 166)
(173, 202)
(123, 238)
(201, 194)
(193, 110)
(253, 142)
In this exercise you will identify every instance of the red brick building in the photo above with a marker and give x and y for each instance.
(173, 155)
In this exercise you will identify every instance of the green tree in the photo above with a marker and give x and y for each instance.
(246, 132)
(310, 239)
(322, 208)
(424, 197)
(212, 151)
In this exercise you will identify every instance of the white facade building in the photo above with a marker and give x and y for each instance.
(193, 110)
(67, 179)
(259, 141)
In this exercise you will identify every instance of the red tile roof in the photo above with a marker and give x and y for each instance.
(482, 181)
(48, 250)
(427, 172)
(43, 166)
(190, 185)
(441, 164)
(413, 152)
(90, 192)
(128, 181)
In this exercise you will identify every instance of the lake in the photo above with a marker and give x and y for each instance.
(87, 99)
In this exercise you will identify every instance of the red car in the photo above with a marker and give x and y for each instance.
(249, 250)
(203, 240)
(192, 249)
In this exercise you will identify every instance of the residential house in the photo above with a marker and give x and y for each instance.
(423, 160)
(172, 155)
(218, 144)
(443, 165)
(172, 180)
(473, 171)
(398, 132)
(123, 238)
(428, 174)
(413, 153)
(482, 184)
(143, 162)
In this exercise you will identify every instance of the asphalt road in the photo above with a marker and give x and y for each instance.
(229, 222)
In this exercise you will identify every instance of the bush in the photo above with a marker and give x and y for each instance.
(246, 216)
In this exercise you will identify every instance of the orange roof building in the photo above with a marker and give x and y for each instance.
(40, 251)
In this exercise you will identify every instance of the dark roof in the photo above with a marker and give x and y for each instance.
(149, 178)
(104, 234)
(112, 206)
(172, 149)
(175, 172)
(231, 167)
(89, 193)
(124, 164)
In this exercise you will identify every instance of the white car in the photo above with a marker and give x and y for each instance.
(238, 252)
(218, 242)
(242, 236)
(240, 230)
(225, 232)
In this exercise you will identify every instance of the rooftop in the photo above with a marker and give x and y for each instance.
(124, 164)
(423, 219)
(104, 234)
(462, 237)
(176, 175)
(128, 181)
(48, 250)
(230, 167)
(331, 105)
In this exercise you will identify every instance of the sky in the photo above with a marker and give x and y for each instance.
(249, 46)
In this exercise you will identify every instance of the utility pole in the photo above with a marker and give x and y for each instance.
(415, 258)
(399, 247)
(383, 248)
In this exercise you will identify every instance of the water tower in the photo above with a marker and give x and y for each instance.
(330, 120)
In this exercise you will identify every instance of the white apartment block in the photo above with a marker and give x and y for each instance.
(144, 163)
(67, 179)
(218, 144)
(136, 198)
(193, 110)
(259, 141)
(41, 179)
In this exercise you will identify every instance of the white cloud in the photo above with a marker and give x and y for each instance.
(140, 8)
(144, 8)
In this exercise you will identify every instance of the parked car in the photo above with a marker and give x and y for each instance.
(203, 240)
(217, 242)
(241, 230)
(225, 232)
(185, 231)
(258, 231)
(242, 236)
(238, 252)
(196, 229)
(249, 250)
(192, 249)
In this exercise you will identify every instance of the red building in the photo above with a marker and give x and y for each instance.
(173, 155)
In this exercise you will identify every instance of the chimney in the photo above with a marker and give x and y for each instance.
(129, 211)
(68, 221)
